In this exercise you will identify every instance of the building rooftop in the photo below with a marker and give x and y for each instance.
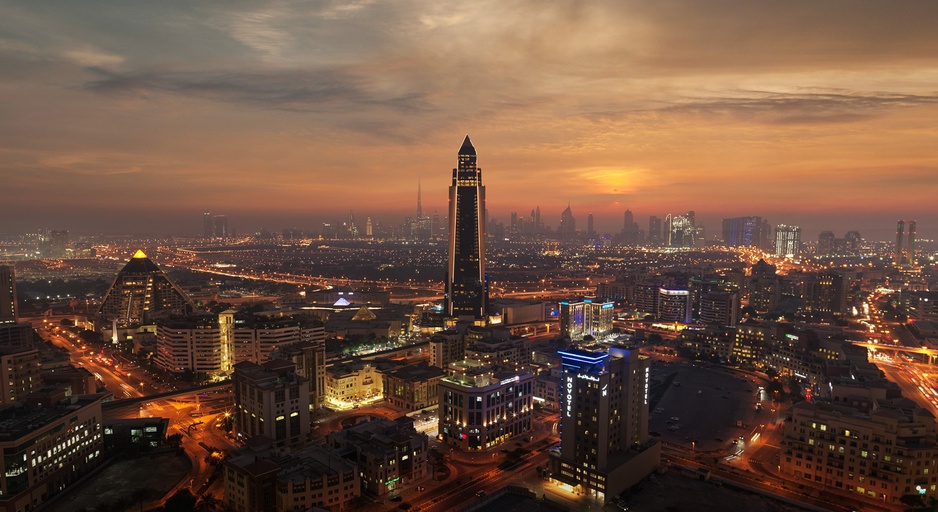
(417, 372)
(18, 419)
(272, 374)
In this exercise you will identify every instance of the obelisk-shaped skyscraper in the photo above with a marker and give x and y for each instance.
(466, 287)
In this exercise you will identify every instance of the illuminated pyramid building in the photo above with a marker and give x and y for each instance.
(141, 293)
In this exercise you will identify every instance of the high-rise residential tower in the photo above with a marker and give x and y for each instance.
(466, 283)
(900, 232)
(208, 224)
(787, 241)
(911, 254)
(605, 447)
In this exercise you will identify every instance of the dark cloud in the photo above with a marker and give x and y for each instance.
(320, 91)
(662, 102)
(806, 108)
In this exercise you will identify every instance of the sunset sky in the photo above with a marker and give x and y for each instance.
(134, 116)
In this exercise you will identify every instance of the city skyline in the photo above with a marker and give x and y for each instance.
(277, 114)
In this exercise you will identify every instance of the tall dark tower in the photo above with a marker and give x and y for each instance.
(900, 231)
(911, 255)
(419, 205)
(466, 287)
(208, 224)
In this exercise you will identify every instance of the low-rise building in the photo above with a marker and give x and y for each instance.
(883, 453)
(315, 478)
(389, 454)
(481, 407)
(351, 382)
(264, 478)
(77, 381)
(547, 391)
(135, 431)
(497, 346)
(412, 387)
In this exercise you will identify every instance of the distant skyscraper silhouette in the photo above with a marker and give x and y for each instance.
(208, 224)
(58, 240)
(654, 229)
(589, 225)
(567, 228)
(630, 231)
(825, 243)
(900, 233)
(742, 231)
(466, 286)
(221, 226)
(9, 311)
(911, 255)
(905, 247)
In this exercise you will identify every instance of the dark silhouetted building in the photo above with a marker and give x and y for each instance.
(764, 288)
(208, 225)
(221, 226)
(654, 230)
(466, 282)
(58, 243)
(719, 307)
(567, 228)
(631, 234)
(825, 243)
(9, 310)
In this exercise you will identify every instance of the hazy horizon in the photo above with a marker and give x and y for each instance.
(135, 119)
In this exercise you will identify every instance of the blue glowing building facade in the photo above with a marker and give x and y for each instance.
(588, 317)
(604, 443)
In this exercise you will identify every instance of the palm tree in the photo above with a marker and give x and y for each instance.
(208, 503)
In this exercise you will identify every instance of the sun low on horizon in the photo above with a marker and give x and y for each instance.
(815, 113)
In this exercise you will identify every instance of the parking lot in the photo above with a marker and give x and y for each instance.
(702, 405)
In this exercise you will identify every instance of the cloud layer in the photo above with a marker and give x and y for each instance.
(799, 111)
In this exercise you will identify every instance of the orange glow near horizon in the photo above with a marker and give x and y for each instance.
(819, 114)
